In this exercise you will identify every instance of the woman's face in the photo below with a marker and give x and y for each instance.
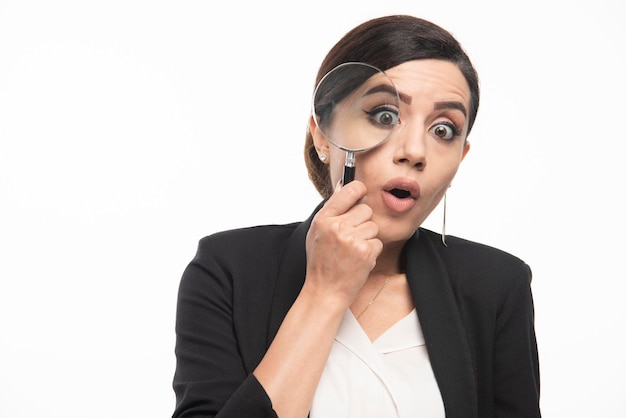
(408, 174)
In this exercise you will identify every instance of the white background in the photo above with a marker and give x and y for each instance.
(130, 129)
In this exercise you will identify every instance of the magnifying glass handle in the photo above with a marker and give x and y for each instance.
(348, 169)
(348, 175)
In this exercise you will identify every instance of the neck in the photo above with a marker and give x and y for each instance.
(389, 261)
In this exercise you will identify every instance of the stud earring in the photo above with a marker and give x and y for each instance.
(322, 157)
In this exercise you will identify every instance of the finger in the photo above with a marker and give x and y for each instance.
(369, 250)
(366, 231)
(345, 198)
(357, 215)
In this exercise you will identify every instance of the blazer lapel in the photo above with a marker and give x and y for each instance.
(290, 280)
(441, 323)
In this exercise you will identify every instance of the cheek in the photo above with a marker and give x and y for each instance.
(447, 177)
(450, 165)
(453, 169)
(442, 176)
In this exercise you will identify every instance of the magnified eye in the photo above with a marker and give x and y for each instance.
(385, 117)
(445, 131)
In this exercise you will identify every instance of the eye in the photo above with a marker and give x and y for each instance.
(384, 116)
(445, 131)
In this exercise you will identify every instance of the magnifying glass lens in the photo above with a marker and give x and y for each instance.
(356, 106)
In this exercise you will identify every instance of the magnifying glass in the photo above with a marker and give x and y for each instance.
(356, 107)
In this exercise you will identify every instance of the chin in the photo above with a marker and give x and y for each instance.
(398, 224)
(389, 234)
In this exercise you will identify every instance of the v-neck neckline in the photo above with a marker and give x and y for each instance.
(405, 333)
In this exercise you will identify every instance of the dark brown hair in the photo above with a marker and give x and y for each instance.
(386, 42)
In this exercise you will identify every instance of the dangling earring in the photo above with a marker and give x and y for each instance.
(443, 228)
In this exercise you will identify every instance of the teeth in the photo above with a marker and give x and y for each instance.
(400, 193)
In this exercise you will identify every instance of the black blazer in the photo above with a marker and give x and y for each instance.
(474, 304)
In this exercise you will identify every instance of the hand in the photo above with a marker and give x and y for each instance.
(342, 244)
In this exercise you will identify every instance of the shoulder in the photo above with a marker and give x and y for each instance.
(247, 255)
(249, 237)
(485, 258)
(466, 251)
(479, 270)
(240, 244)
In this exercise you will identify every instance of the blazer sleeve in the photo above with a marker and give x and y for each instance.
(210, 378)
(516, 363)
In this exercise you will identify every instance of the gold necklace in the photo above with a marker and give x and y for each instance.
(374, 298)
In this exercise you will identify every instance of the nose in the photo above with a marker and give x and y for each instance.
(410, 146)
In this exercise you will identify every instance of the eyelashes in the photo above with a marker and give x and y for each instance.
(384, 116)
(387, 117)
(446, 131)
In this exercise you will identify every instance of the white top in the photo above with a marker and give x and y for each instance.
(390, 377)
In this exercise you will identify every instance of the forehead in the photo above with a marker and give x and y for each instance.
(430, 80)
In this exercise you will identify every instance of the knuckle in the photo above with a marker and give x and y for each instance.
(355, 189)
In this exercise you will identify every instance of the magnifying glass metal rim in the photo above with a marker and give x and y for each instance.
(348, 174)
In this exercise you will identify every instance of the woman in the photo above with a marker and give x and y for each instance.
(358, 311)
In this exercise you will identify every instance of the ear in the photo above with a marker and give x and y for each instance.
(322, 146)
(466, 149)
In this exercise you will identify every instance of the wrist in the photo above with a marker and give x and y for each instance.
(323, 301)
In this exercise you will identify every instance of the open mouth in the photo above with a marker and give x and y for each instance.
(400, 193)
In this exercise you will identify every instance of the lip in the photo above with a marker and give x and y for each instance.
(397, 204)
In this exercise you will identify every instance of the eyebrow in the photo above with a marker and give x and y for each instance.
(386, 88)
(451, 105)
